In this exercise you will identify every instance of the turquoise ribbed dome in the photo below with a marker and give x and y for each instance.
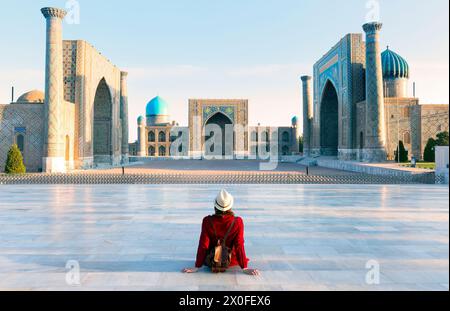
(140, 119)
(157, 107)
(394, 66)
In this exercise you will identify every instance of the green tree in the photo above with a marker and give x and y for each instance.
(403, 153)
(14, 161)
(442, 139)
(428, 153)
(300, 147)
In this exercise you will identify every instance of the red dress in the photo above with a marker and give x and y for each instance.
(235, 239)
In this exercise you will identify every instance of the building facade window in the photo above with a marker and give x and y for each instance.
(162, 136)
(407, 138)
(162, 151)
(265, 139)
(285, 137)
(254, 136)
(151, 151)
(20, 142)
(151, 136)
(265, 136)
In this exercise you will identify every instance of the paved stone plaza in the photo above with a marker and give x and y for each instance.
(225, 172)
(224, 166)
(302, 237)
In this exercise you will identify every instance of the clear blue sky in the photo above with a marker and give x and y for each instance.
(253, 49)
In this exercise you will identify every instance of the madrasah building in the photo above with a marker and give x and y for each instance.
(355, 107)
(218, 129)
(358, 108)
(81, 120)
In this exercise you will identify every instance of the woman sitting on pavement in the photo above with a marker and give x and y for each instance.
(222, 239)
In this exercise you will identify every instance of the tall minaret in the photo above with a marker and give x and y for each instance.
(124, 114)
(141, 137)
(54, 157)
(374, 150)
(307, 114)
(295, 135)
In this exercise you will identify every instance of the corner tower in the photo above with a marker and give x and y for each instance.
(53, 158)
(142, 137)
(307, 113)
(375, 150)
(124, 115)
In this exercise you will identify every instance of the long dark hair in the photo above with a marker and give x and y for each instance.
(222, 214)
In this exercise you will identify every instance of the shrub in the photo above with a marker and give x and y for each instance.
(14, 161)
(403, 153)
(300, 145)
(442, 139)
(428, 153)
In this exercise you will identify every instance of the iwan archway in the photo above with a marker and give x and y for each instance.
(102, 138)
(219, 136)
(329, 121)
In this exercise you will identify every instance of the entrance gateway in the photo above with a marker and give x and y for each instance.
(218, 127)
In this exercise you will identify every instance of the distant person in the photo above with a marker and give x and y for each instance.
(222, 239)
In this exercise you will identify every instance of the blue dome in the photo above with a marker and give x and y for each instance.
(157, 107)
(140, 119)
(294, 120)
(394, 66)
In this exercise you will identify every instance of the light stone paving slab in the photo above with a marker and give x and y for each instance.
(302, 237)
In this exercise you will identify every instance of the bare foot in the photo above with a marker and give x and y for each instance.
(190, 270)
(254, 272)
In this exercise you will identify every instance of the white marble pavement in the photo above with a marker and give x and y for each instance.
(302, 237)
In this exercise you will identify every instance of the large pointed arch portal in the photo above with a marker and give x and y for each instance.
(329, 121)
(102, 139)
(219, 136)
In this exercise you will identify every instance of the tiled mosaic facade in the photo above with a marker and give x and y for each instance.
(70, 69)
(165, 141)
(363, 131)
(200, 110)
(26, 120)
(124, 115)
(285, 140)
(170, 140)
(375, 129)
(403, 123)
(76, 74)
(95, 76)
(308, 114)
(53, 159)
(342, 68)
(408, 121)
(434, 119)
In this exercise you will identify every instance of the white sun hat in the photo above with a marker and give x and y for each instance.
(224, 201)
